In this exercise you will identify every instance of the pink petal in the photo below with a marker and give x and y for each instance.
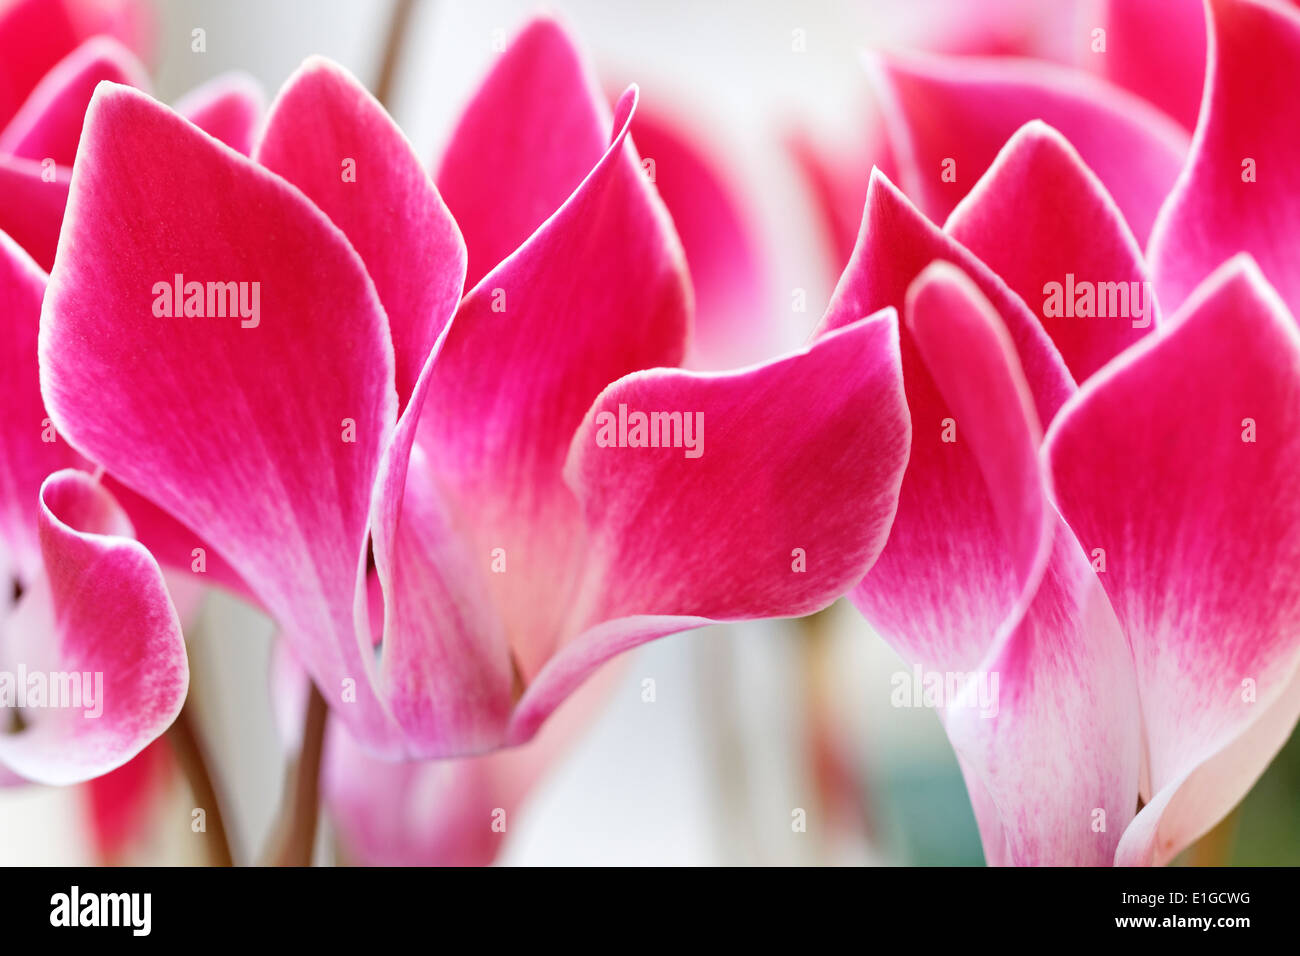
(49, 123)
(36, 34)
(442, 812)
(324, 122)
(788, 502)
(446, 671)
(530, 348)
(228, 107)
(733, 309)
(1054, 740)
(530, 135)
(948, 110)
(131, 659)
(228, 428)
(34, 200)
(1201, 534)
(1247, 117)
(1156, 49)
(945, 582)
(1039, 216)
(25, 457)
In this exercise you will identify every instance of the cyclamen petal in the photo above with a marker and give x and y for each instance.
(1156, 49)
(808, 452)
(49, 123)
(36, 34)
(1237, 193)
(1046, 739)
(949, 116)
(225, 409)
(228, 107)
(945, 581)
(332, 139)
(118, 679)
(1178, 460)
(529, 349)
(1045, 224)
(532, 132)
(29, 447)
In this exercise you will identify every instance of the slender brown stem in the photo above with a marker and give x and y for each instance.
(184, 739)
(301, 807)
(398, 23)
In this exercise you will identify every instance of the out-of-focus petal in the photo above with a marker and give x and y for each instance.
(48, 126)
(228, 107)
(601, 290)
(1044, 223)
(29, 447)
(35, 195)
(100, 630)
(334, 141)
(948, 117)
(944, 583)
(1238, 192)
(445, 812)
(775, 501)
(1050, 732)
(1178, 460)
(225, 424)
(733, 313)
(36, 34)
(839, 188)
(1156, 49)
(530, 135)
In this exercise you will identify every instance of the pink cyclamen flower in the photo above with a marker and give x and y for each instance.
(360, 404)
(52, 530)
(1130, 580)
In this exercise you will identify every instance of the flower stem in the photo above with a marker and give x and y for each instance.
(300, 810)
(184, 739)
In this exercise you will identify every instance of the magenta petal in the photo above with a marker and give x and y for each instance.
(1055, 739)
(945, 582)
(1178, 460)
(530, 135)
(530, 348)
(228, 107)
(1044, 223)
(99, 621)
(949, 116)
(332, 139)
(1156, 49)
(738, 523)
(446, 671)
(48, 126)
(733, 312)
(26, 456)
(220, 420)
(36, 34)
(720, 520)
(1238, 193)
(34, 201)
